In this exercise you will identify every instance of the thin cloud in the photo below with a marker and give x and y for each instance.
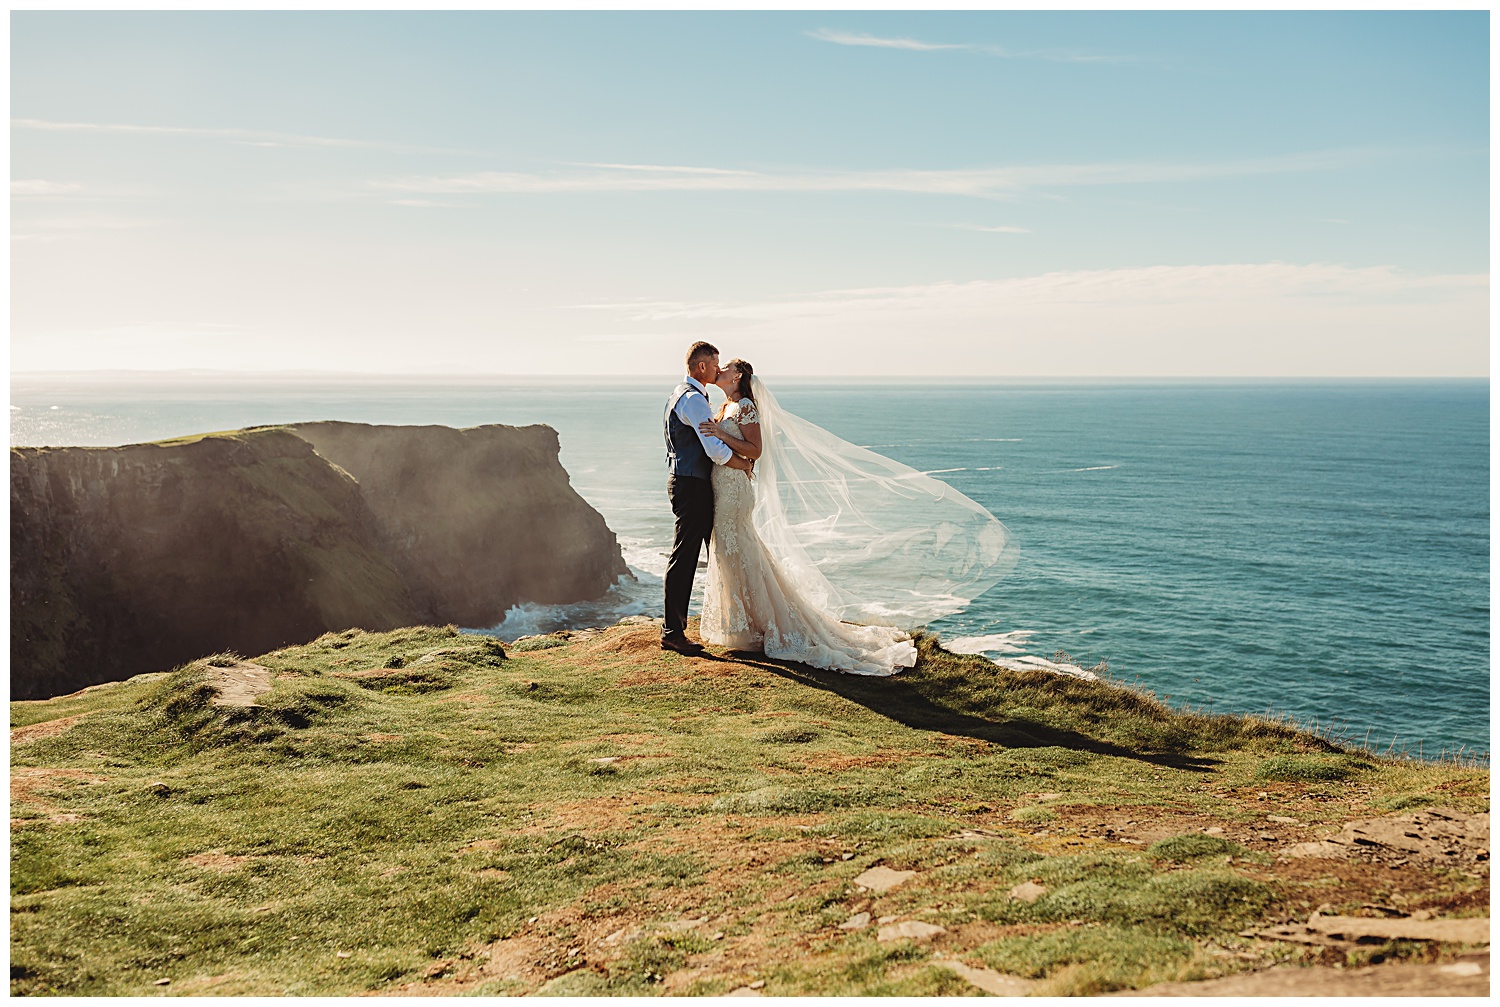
(992, 228)
(856, 38)
(1151, 286)
(247, 137)
(1231, 319)
(42, 187)
(916, 45)
(991, 183)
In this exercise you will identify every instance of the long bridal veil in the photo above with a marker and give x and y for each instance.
(864, 536)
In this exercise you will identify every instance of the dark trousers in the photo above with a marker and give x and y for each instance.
(693, 504)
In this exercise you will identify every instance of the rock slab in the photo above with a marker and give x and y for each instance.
(883, 879)
(994, 983)
(914, 930)
(1435, 836)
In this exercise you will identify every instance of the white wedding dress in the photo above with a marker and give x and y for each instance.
(753, 602)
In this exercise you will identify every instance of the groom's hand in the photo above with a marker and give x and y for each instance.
(742, 463)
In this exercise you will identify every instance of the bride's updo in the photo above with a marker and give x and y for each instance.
(746, 373)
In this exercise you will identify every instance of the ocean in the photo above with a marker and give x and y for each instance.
(1318, 549)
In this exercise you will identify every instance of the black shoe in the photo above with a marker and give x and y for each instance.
(682, 645)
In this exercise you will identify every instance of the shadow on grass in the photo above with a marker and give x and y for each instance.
(904, 703)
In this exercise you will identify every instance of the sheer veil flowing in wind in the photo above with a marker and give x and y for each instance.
(864, 536)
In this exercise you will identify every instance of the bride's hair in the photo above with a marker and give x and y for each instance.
(746, 373)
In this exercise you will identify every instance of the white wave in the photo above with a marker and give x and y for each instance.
(645, 556)
(628, 596)
(1097, 468)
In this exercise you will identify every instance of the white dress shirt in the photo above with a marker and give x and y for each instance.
(693, 410)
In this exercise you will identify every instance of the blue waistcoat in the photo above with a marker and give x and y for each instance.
(685, 454)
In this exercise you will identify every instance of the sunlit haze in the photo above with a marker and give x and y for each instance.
(825, 193)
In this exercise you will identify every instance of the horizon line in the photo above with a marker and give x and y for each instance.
(411, 377)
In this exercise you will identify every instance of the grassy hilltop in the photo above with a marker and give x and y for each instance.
(426, 811)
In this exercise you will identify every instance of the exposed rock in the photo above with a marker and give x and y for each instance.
(1348, 931)
(1469, 977)
(139, 558)
(994, 983)
(910, 930)
(856, 922)
(883, 879)
(1432, 836)
(1028, 891)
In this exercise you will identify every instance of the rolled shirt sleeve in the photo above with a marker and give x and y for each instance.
(693, 410)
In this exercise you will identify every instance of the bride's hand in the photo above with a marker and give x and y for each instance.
(708, 428)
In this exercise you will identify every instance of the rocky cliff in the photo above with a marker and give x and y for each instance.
(138, 558)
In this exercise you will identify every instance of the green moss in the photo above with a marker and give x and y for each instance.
(1193, 846)
(1098, 958)
(528, 643)
(1308, 769)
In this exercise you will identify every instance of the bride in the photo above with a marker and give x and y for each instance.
(904, 547)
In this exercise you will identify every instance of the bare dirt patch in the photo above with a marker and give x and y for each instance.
(217, 861)
(605, 813)
(46, 729)
(239, 684)
(27, 781)
(635, 641)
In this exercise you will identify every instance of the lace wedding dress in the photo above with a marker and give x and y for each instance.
(753, 602)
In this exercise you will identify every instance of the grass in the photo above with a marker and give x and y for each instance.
(427, 809)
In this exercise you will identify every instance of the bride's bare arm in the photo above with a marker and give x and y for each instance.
(749, 445)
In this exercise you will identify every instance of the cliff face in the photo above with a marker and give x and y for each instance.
(138, 558)
(475, 520)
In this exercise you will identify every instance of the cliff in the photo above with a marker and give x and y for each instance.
(138, 558)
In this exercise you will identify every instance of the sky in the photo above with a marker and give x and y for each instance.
(985, 194)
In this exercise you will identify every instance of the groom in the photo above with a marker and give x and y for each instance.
(691, 457)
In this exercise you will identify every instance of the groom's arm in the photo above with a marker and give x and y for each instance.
(693, 409)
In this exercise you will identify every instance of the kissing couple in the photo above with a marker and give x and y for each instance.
(820, 551)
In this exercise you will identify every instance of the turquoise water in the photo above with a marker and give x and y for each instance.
(1318, 549)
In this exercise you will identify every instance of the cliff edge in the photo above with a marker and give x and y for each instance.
(138, 558)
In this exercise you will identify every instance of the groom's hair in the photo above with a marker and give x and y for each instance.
(699, 350)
